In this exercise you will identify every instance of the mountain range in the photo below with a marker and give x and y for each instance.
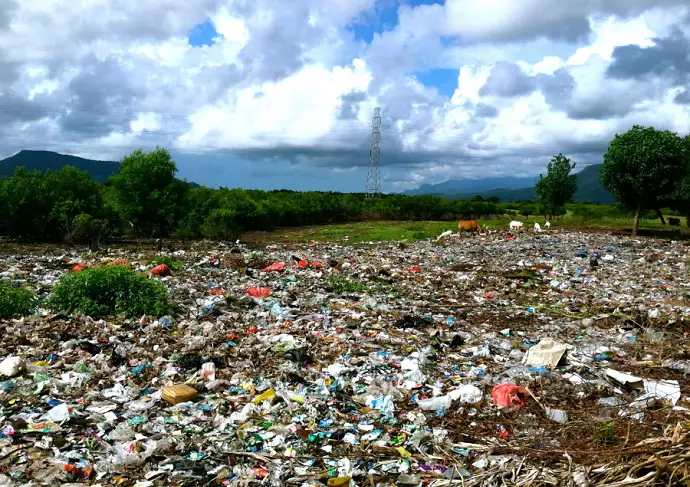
(508, 189)
(46, 160)
(516, 189)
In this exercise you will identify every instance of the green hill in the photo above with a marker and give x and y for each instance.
(588, 190)
(46, 160)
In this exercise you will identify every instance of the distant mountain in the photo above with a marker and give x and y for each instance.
(460, 186)
(42, 161)
(46, 160)
(588, 189)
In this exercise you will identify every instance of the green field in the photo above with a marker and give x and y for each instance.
(411, 231)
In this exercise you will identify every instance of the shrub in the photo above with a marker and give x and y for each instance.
(109, 291)
(15, 301)
(85, 229)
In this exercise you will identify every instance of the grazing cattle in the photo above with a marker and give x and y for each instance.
(547, 225)
(515, 225)
(674, 222)
(468, 226)
(537, 228)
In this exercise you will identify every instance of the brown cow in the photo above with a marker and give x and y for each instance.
(468, 226)
(674, 222)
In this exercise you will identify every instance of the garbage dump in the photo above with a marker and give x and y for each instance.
(473, 360)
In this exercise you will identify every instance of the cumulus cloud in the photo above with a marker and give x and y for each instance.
(100, 77)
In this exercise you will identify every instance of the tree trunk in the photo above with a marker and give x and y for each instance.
(687, 220)
(636, 224)
(661, 217)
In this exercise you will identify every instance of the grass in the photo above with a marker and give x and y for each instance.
(15, 301)
(411, 231)
(109, 291)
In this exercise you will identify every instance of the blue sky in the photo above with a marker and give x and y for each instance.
(206, 169)
(503, 86)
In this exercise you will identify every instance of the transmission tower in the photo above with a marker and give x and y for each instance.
(374, 176)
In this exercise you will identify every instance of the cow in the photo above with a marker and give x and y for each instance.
(547, 225)
(515, 225)
(468, 226)
(674, 222)
(537, 228)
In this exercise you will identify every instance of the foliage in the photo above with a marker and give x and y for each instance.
(680, 198)
(559, 186)
(642, 168)
(40, 206)
(527, 210)
(109, 291)
(15, 301)
(147, 195)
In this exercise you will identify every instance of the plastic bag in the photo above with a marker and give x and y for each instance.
(506, 395)
(259, 292)
(161, 270)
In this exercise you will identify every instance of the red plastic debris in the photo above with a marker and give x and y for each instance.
(259, 292)
(79, 267)
(260, 472)
(79, 472)
(278, 266)
(161, 270)
(252, 329)
(488, 295)
(317, 265)
(506, 395)
(217, 291)
(415, 269)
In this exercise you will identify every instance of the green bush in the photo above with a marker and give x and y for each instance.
(109, 291)
(15, 301)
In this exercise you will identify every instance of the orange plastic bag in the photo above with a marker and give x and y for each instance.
(506, 395)
(79, 267)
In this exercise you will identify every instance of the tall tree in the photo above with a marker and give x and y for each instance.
(559, 186)
(642, 168)
(147, 195)
(680, 199)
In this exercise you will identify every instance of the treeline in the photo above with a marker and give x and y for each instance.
(145, 199)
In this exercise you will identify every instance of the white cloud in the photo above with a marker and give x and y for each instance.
(100, 77)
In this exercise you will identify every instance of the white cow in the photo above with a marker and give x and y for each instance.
(547, 225)
(537, 228)
(515, 225)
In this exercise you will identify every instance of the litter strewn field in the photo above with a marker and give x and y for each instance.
(557, 358)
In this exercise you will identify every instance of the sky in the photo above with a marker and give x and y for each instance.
(256, 94)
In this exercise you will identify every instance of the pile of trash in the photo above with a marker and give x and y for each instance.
(549, 358)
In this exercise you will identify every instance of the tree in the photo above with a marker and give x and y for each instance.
(23, 206)
(147, 195)
(76, 205)
(680, 199)
(642, 168)
(558, 187)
